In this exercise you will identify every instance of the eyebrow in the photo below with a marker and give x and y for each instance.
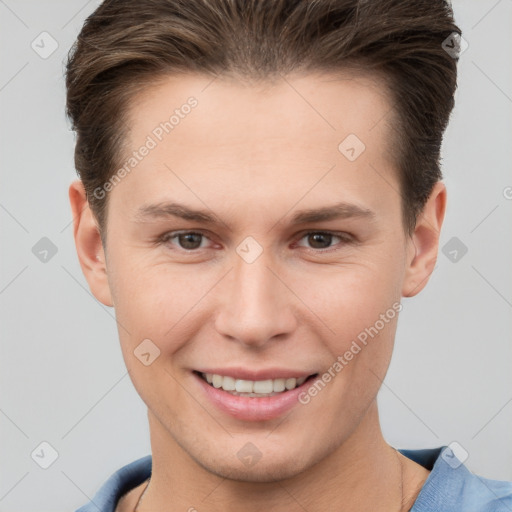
(172, 209)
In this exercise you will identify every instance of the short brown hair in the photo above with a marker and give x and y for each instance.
(126, 44)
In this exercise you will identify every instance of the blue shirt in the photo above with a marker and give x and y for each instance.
(450, 486)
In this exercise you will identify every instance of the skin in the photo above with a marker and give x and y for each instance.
(253, 155)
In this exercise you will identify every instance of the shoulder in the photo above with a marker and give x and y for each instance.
(120, 483)
(451, 486)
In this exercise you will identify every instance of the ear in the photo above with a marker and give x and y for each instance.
(423, 244)
(88, 244)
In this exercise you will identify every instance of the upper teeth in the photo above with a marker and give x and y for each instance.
(253, 386)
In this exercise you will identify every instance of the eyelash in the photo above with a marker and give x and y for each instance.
(345, 238)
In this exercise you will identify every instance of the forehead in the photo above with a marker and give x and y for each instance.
(315, 105)
(268, 138)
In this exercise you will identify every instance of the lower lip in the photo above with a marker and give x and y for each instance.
(253, 408)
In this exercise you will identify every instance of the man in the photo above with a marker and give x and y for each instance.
(259, 187)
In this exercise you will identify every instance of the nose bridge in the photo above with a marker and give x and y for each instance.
(254, 308)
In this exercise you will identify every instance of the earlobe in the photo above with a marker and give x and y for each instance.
(88, 244)
(424, 242)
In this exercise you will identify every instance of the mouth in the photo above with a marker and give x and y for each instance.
(253, 388)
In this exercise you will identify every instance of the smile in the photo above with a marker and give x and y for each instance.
(253, 388)
(252, 395)
(256, 400)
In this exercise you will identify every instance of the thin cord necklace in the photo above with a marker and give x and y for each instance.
(136, 509)
(401, 480)
(142, 496)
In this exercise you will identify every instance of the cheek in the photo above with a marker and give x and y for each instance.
(154, 308)
(359, 304)
(351, 298)
(157, 301)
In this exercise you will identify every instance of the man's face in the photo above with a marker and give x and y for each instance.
(256, 291)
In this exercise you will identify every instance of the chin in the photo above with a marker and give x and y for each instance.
(264, 471)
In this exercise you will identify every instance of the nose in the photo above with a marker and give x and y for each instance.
(256, 307)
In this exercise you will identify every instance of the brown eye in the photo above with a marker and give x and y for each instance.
(187, 240)
(190, 240)
(323, 240)
(320, 240)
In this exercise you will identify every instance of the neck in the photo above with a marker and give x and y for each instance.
(364, 472)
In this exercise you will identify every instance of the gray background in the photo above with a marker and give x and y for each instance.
(62, 376)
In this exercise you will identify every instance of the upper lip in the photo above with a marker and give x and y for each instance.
(256, 374)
